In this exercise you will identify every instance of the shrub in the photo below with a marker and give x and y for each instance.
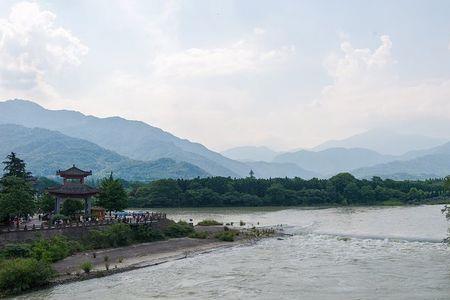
(199, 235)
(16, 251)
(57, 248)
(226, 236)
(86, 267)
(180, 229)
(119, 235)
(58, 217)
(17, 275)
(147, 234)
(97, 239)
(209, 223)
(106, 261)
(115, 236)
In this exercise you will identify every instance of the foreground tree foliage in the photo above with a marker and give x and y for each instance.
(21, 274)
(46, 203)
(16, 198)
(342, 189)
(16, 167)
(113, 196)
(16, 192)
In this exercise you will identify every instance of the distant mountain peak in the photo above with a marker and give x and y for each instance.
(383, 141)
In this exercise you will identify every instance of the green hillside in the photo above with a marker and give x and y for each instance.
(46, 151)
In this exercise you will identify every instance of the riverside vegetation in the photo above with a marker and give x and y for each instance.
(28, 265)
(341, 189)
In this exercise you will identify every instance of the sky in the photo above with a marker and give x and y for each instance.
(284, 74)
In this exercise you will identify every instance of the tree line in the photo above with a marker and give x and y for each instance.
(22, 195)
(341, 189)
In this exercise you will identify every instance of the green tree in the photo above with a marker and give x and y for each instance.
(112, 196)
(14, 166)
(46, 203)
(16, 198)
(276, 194)
(71, 206)
(352, 193)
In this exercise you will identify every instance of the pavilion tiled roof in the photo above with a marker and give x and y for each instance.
(72, 189)
(73, 171)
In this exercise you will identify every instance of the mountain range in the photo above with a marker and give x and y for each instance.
(52, 139)
(413, 156)
(136, 141)
(384, 141)
(334, 160)
(46, 151)
(133, 139)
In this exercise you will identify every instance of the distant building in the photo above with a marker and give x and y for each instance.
(73, 187)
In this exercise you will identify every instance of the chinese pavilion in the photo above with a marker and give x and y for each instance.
(73, 187)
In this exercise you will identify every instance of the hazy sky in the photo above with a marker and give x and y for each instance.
(285, 74)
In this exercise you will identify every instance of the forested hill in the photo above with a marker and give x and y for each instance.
(46, 151)
(134, 139)
(342, 189)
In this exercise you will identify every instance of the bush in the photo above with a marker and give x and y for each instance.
(59, 217)
(226, 236)
(15, 251)
(86, 267)
(57, 248)
(199, 235)
(209, 223)
(119, 235)
(146, 234)
(115, 236)
(180, 229)
(21, 274)
(97, 239)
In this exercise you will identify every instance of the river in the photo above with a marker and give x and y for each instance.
(334, 253)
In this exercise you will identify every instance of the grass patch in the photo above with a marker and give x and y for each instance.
(87, 266)
(209, 223)
(392, 203)
(199, 235)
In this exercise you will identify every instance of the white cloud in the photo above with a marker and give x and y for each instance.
(366, 93)
(239, 57)
(258, 31)
(32, 47)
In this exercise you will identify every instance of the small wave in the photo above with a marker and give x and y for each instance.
(382, 237)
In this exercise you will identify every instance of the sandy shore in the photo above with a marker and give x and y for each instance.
(133, 257)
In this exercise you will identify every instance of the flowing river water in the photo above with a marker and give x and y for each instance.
(335, 253)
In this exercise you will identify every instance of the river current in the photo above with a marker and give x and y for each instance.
(335, 253)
